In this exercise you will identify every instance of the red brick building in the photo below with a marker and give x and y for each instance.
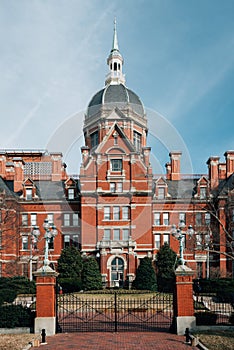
(116, 209)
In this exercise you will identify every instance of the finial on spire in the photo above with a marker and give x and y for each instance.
(115, 62)
(115, 45)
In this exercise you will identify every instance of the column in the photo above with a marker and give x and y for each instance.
(183, 300)
(45, 300)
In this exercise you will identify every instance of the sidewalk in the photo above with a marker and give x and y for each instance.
(116, 341)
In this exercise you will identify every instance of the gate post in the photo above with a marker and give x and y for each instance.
(45, 300)
(183, 300)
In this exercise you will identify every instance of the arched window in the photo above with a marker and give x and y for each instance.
(115, 66)
(117, 272)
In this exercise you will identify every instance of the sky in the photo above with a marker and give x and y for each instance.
(178, 57)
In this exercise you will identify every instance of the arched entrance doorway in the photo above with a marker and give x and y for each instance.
(117, 272)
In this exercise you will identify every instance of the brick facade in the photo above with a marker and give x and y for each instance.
(116, 209)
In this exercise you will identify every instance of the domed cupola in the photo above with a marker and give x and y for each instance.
(115, 102)
(115, 93)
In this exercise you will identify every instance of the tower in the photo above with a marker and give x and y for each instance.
(116, 177)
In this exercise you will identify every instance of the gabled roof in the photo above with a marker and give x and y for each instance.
(225, 186)
(7, 187)
(116, 128)
(50, 190)
(183, 189)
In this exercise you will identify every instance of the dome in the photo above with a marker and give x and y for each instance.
(115, 95)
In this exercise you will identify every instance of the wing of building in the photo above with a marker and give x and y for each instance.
(116, 209)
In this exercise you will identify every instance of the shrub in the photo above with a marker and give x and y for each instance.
(205, 318)
(145, 276)
(231, 318)
(15, 316)
(70, 285)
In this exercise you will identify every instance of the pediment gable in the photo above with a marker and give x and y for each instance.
(115, 142)
(28, 183)
(70, 182)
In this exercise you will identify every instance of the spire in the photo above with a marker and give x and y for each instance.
(115, 62)
(115, 46)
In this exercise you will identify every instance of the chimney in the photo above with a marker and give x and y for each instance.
(56, 166)
(175, 165)
(222, 171)
(168, 170)
(213, 166)
(85, 154)
(19, 173)
(229, 155)
(146, 154)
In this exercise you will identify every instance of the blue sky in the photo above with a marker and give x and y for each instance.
(179, 58)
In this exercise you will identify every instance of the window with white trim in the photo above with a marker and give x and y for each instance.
(137, 140)
(107, 213)
(157, 219)
(116, 234)
(112, 187)
(157, 241)
(25, 243)
(33, 219)
(161, 192)
(182, 217)
(119, 187)
(198, 219)
(75, 219)
(125, 234)
(125, 213)
(203, 192)
(107, 234)
(116, 213)
(116, 165)
(166, 239)
(66, 220)
(66, 241)
(207, 219)
(165, 219)
(24, 219)
(71, 193)
(28, 194)
(94, 139)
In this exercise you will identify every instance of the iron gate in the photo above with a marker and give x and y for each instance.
(114, 312)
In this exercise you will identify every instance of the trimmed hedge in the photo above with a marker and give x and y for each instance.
(205, 318)
(12, 316)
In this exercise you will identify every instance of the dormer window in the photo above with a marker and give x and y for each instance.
(29, 190)
(203, 192)
(71, 189)
(28, 194)
(161, 192)
(71, 193)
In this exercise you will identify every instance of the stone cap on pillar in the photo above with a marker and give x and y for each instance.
(184, 270)
(45, 271)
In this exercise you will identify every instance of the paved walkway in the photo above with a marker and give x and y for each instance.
(116, 341)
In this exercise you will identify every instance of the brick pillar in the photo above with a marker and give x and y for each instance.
(45, 300)
(183, 300)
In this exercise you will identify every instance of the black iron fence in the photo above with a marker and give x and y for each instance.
(114, 312)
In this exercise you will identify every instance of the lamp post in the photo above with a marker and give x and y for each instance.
(180, 236)
(50, 232)
(203, 242)
(35, 233)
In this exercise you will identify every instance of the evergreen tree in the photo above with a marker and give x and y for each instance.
(70, 263)
(166, 263)
(145, 276)
(91, 276)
